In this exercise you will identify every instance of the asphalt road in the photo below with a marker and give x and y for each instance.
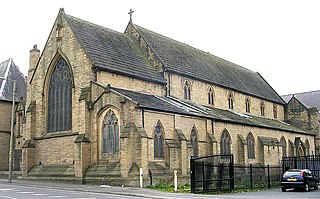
(9, 191)
(41, 190)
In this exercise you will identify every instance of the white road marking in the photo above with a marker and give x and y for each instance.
(7, 197)
(40, 194)
(57, 196)
(25, 192)
(5, 189)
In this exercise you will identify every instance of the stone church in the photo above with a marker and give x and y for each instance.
(102, 104)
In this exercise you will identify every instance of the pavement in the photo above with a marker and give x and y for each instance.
(125, 191)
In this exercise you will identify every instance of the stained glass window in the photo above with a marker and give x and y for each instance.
(194, 142)
(110, 134)
(158, 141)
(284, 146)
(225, 143)
(250, 144)
(60, 98)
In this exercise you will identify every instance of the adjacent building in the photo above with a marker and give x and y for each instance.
(9, 72)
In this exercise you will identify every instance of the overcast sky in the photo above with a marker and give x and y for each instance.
(280, 39)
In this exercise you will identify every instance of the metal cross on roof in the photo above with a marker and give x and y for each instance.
(130, 13)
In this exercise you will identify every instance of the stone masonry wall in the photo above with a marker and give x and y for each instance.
(199, 94)
(80, 67)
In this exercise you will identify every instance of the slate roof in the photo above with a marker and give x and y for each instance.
(309, 99)
(113, 51)
(173, 105)
(10, 71)
(186, 60)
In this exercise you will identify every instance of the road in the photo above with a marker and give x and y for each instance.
(9, 191)
(43, 190)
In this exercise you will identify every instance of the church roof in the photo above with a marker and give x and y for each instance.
(188, 61)
(173, 105)
(113, 51)
(10, 71)
(308, 99)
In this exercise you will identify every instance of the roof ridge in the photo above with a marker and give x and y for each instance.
(197, 49)
(302, 93)
(93, 24)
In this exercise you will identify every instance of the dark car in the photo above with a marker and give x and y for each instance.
(299, 179)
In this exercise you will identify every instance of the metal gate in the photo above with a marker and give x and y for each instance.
(302, 162)
(212, 173)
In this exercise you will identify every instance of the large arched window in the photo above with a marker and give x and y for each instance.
(110, 134)
(60, 98)
(158, 141)
(187, 92)
(230, 100)
(284, 146)
(194, 141)
(247, 102)
(210, 96)
(225, 143)
(250, 143)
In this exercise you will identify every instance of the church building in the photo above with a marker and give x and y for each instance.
(102, 104)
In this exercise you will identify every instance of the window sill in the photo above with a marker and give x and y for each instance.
(56, 135)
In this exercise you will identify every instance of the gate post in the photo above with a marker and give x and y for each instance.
(192, 174)
(268, 176)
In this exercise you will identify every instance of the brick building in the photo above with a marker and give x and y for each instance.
(10, 71)
(101, 104)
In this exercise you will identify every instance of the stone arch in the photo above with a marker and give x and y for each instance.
(110, 134)
(211, 96)
(158, 141)
(225, 142)
(283, 143)
(58, 95)
(251, 146)
(194, 141)
(307, 147)
(187, 90)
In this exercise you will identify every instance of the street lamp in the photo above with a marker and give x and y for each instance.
(11, 130)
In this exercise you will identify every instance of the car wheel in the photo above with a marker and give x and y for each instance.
(306, 187)
(283, 189)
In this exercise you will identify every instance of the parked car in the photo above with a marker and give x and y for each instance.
(299, 179)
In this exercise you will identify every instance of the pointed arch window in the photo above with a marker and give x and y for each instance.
(284, 146)
(210, 96)
(262, 108)
(250, 144)
(158, 141)
(248, 105)
(110, 134)
(230, 100)
(194, 141)
(225, 143)
(307, 145)
(60, 98)
(187, 93)
(275, 111)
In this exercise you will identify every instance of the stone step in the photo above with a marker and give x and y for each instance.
(52, 170)
(104, 169)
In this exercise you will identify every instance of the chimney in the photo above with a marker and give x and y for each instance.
(33, 59)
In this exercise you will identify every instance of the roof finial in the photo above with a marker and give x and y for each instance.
(130, 13)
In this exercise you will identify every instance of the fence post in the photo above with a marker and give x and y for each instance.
(231, 174)
(141, 178)
(192, 174)
(268, 176)
(204, 184)
(251, 179)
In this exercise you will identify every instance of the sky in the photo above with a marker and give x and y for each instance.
(280, 39)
